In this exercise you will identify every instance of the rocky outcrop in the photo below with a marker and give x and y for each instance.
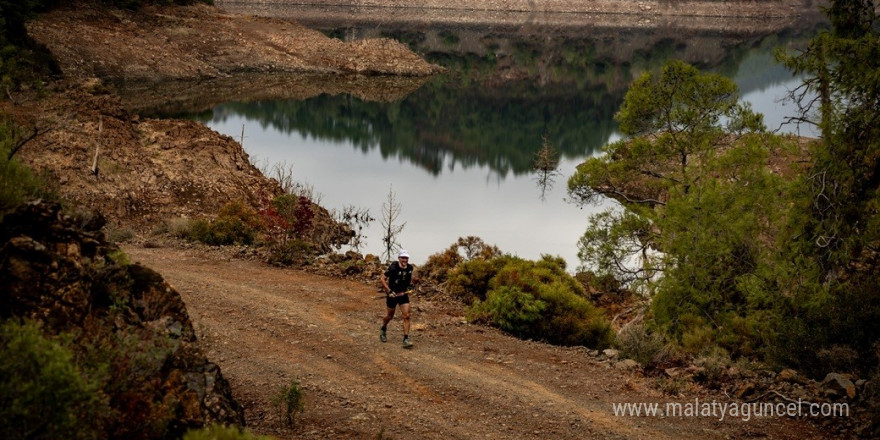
(59, 271)
(837, 385)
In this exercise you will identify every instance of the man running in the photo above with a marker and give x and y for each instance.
(396, 281)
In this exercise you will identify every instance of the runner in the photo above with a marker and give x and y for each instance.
(396, 281)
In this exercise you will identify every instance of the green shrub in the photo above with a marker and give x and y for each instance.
(285, 206)
(448, 38)
(510, 309)
(229, 230)
(698, 336)
(289, 402)
(43, 394)
(290, 252)
(470, 281)
(747, 334)
(219, 432)
(119, 257)
(200, 230)
(531, 276)
(571, 319)
(128, 365)
(438, 266)
(673, 386)
(537, 300)
(236, 223)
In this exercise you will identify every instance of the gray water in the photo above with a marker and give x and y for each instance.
(457, 152)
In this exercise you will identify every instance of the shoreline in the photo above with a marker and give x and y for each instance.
(687, 8)
(752, 19)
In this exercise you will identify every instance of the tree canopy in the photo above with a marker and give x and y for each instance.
(836, 234)
(763, 245)
(692, 178)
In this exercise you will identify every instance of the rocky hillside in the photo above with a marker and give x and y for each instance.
(138, 171)
(147, 170)
(129, 330)
(199, 42)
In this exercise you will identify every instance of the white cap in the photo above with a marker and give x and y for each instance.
(402, 254)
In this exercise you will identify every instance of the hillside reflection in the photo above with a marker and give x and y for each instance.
(506, 90)
(472, 126)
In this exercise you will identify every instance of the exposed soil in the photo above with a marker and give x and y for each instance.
(266, 326)
(148, 171)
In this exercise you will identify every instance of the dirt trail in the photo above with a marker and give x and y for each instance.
(266, 326)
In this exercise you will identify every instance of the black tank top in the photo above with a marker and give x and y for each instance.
(399, 278)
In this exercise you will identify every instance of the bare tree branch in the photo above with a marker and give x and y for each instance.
(391, 210)
(21, 143)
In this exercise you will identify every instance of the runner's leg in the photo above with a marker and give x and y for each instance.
(404, 313)
(388, 317)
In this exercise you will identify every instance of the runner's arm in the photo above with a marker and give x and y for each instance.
(384, 280)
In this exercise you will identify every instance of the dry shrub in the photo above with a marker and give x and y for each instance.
(713, 366)
(639, 343)
(178, 227)
(118, 234)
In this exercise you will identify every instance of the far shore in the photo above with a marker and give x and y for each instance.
(714, 8)
(522, 15)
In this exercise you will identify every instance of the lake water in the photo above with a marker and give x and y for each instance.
(458, 151)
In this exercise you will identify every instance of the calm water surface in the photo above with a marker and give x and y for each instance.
(457, 153)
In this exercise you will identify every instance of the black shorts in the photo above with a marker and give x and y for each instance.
(394, 301)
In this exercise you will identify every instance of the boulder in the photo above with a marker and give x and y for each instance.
(838, 385)
(611, 353)
(789, 375)
(626, 364)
